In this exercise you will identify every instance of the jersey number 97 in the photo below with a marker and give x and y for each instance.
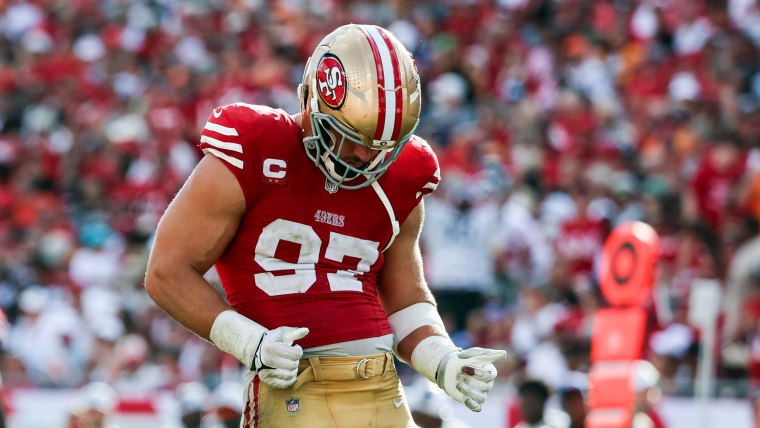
(305, 275)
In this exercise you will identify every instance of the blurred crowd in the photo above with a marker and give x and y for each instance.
(553, 120)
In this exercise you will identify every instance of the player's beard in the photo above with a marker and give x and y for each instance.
(341, 169)
(339, 165)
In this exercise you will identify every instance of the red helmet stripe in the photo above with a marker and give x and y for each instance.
(396, 85)
(381, 84)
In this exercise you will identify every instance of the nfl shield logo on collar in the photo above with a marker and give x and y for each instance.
(330, 186)
(292, 405)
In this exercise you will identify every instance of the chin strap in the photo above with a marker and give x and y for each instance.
(388, 207)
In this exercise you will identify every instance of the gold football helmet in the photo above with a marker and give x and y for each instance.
(360, 85)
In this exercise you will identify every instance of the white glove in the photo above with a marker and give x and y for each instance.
(467, 376)
(270, 353)
(276, 359)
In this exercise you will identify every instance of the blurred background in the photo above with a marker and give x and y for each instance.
(554, 121)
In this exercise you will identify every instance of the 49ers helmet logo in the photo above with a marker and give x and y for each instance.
(331, 79)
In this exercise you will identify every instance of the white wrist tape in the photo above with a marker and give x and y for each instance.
(430, 352)
(405, 321)
(237, 335)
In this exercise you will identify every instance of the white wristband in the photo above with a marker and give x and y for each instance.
(237, 335)
(412, 317)
(429, 353)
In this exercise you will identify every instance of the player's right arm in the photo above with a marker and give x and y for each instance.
(193, 233)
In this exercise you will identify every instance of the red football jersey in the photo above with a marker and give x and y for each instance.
(302, 256)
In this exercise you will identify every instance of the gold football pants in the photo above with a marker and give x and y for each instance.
(331, 392)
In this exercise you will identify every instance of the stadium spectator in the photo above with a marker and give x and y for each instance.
(460, 241)
(573, 402)
(533, 396)
(93, 407)
(193, 400)
(228, 400)
(644, 382)
(741, 279)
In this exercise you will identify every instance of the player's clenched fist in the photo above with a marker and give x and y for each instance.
(468, 375)
(276, 360)
(270, 353)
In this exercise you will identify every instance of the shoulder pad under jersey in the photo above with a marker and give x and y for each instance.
(419, 167)
(235, 133)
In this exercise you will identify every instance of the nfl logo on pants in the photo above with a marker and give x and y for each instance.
(292, 405)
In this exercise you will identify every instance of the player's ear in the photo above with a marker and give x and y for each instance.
(306, 122)
(303, 87)
(303, 95)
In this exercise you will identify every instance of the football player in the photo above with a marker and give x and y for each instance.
(312, 222)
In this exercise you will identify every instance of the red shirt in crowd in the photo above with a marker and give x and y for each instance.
(719, 171)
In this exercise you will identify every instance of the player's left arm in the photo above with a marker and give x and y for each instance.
(419, 334)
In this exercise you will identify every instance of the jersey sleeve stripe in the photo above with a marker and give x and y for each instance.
(432, 186)
(235, 147)
(225, 157)
(224, 130)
